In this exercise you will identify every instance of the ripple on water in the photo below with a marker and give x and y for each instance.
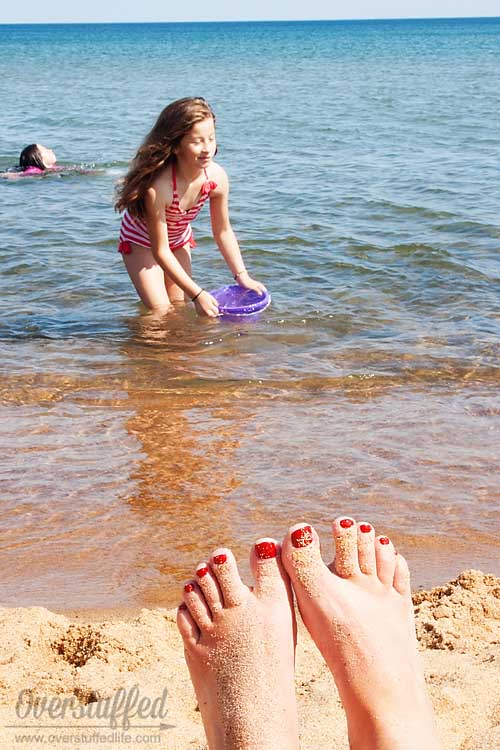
(369, 386)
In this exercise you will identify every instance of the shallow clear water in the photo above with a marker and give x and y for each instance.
(365, 192)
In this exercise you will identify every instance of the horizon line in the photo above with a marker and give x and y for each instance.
(248, 20)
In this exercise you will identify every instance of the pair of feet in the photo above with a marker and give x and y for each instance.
(240, 642)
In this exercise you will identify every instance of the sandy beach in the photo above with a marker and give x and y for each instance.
(89, 656)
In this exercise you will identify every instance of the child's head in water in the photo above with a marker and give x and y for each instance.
(38, 156)
(160, 148)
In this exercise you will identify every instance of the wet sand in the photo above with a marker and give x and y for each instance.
(115, 485)
(91, 654)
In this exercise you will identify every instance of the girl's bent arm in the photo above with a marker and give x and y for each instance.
(158, 235)
(225, 237)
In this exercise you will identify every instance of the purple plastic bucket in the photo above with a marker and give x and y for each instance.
(236, 301)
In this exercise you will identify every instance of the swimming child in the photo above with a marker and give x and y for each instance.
(170, 179)
(36, 159)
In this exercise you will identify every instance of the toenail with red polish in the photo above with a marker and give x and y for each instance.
(188, 588)
(265, 550)
(200, 572)
(220, 559)
(346, 523)
(384, 540)
(365, 528)
(182, 606)
(302, 537)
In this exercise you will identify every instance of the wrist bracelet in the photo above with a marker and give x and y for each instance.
(193, 299)
(239, 274)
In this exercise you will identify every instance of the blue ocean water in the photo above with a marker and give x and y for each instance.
(363, 159)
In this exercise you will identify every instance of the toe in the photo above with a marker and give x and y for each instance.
(402, 577)
(197, 606)
(208, 584)
(224, 567)
(366, 548)
(188, 629)
(301, 557)
(345, 536)
(270, 577)
(386, 559)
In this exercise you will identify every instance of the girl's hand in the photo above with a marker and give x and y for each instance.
(247, 282)
(207, 305)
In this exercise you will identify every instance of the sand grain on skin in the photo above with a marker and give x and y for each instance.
(233, 697)
(346, 554)
(308, 570)
(147, 651)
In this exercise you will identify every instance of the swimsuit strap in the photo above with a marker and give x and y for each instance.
(207, 186)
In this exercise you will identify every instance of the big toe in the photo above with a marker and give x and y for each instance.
(302, 560)
(271, 579)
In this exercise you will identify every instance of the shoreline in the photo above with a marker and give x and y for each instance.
(87, 655)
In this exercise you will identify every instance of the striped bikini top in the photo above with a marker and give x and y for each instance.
(179, 221)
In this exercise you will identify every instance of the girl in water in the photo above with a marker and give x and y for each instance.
(170, 179)
(36, 159)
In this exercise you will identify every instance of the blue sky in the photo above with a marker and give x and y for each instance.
(51, 11)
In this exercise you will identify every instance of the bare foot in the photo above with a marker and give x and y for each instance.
(360, 615)
(240, 646)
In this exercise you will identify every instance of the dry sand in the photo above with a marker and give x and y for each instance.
(93, 655)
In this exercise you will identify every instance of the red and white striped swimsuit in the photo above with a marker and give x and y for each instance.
(179, 228)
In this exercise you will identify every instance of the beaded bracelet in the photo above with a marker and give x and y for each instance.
(239, 274)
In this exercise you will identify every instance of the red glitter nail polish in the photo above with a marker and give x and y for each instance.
(365, 528)
(265, 550)
(346, 523)
(200, 572)
(220, 559)
(188, 588)
(302, 537)
(384, 540)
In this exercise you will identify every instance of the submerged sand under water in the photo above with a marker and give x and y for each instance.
(118, 480)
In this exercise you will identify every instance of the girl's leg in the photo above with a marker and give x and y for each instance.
(147, 276)
(175, 293)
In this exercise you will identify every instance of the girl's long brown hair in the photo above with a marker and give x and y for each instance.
(31, 157)
(158, 150)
